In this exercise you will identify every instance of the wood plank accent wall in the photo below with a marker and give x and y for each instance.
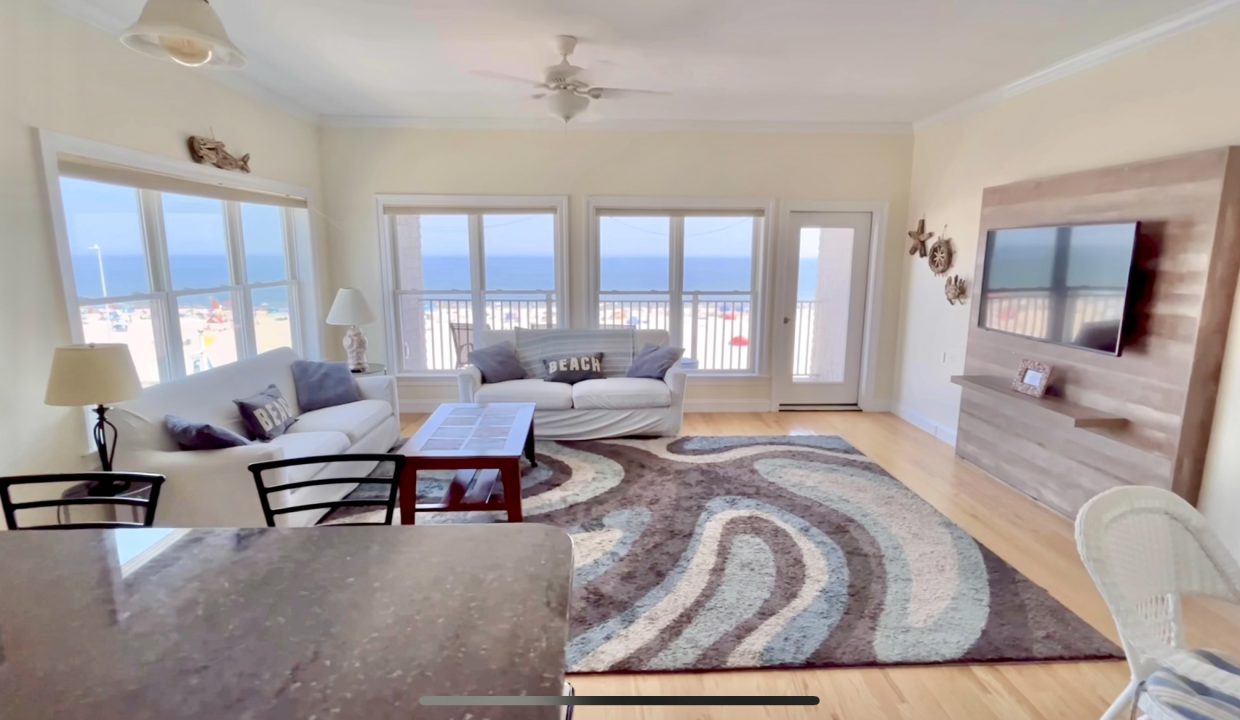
(1166, 380)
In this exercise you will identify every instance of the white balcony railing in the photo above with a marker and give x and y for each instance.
(445, 321)
(717, 327)
(1028, 312)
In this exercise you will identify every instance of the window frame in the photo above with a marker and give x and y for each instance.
(677, 208)
(298, 244)
(470, 205)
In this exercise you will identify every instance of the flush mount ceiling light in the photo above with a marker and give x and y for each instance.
(185, 31)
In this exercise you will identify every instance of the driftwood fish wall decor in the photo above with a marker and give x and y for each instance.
(209, 151)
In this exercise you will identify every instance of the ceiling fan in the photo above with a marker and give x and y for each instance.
(566, 93)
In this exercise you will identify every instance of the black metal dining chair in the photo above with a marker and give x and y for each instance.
(138, 491)
(388, 502)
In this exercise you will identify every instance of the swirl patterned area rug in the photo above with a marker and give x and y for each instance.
(706, 553)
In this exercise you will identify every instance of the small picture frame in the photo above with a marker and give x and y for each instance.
(1032, 378)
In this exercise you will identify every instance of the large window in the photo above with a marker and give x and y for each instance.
(188, 282)
(693, 273)
(469, 266)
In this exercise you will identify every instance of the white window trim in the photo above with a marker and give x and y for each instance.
(559, 203)
(300, 252)
(875, 297)
(762, 261)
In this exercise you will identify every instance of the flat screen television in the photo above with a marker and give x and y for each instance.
(1064, 284)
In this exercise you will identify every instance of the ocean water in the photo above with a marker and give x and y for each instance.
(127, 275)
(623, 274)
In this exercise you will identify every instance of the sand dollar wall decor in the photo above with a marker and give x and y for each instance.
(942, 254)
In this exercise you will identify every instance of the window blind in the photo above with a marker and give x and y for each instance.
(482, 210)
(633, 212)
(88, 169)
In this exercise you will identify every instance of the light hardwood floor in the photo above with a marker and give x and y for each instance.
(1033, 539)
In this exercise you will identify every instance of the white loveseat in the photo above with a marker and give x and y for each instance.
(214, 488)
(614, 406)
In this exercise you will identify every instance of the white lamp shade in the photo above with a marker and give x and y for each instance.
(186, 31)
(350, 308)
(566, 104)
(92, 375)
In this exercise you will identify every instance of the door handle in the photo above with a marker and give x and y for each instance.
(787, 320)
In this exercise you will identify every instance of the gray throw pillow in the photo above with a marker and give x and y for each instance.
(497, 363)
(266, 415)
(192, 435)
(653, 361)
(323, 384)
(574, 368)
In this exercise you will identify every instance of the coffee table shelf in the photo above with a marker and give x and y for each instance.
(484, 443)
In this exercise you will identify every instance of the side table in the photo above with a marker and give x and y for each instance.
(372, 369)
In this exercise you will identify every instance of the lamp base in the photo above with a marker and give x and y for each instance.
(355, 349)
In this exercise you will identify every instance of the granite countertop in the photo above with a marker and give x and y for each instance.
(332, 622)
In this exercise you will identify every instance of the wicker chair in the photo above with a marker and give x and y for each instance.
(462, 341)
(1146, 549)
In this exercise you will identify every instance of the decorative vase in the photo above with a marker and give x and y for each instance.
(355, 349)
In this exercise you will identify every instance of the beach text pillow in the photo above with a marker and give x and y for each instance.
(266, 415)
(574, 368)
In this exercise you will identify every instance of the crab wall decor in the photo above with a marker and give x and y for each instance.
(955, 290)
(942, 254)
(919, 237)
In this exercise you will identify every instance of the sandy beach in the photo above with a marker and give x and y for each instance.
(208, 336)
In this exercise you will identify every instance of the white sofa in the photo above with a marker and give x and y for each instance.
(214, 488)
(614, 406)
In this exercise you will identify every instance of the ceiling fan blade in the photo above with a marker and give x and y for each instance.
(509, 78)
(609, 92)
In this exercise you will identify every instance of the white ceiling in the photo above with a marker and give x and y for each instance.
(744, 61)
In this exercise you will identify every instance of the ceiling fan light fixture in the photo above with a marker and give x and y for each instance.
(566, 104)
(187, 32)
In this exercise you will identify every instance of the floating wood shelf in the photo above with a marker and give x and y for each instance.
(1051, 408)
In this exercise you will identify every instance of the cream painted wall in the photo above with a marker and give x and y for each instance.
(359, 163)
(62, 75)
(1176, 96)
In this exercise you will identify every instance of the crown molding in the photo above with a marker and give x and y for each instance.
(616, 125)
(1169, 27)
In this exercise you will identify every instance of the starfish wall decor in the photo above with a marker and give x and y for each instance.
(919, 237)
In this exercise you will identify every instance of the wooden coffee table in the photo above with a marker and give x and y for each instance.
(484, 443)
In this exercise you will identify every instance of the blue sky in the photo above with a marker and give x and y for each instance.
(109, 216)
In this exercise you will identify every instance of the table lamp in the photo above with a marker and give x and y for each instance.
(94, 375)
(350, 308)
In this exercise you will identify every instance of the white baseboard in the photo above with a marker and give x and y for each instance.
(728, 406)
(421, 405)
(424, 395)
(942, 432)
